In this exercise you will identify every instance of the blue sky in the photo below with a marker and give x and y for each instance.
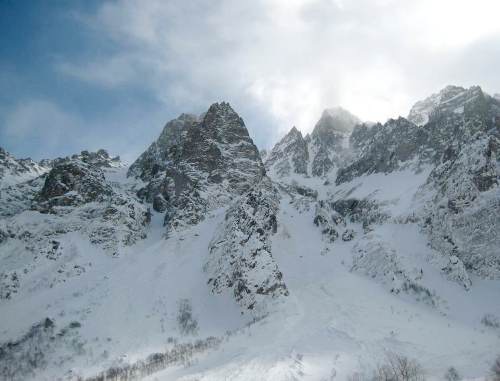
(63, 114)
(89, 74)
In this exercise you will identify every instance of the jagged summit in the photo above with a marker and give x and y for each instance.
(329, 140)
(13, 170)
(198, 161)
(318, 153)
(451, 101)
(336, 119)
(294, 131)
(289, 155)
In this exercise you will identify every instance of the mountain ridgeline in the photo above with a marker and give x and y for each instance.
(203, 190)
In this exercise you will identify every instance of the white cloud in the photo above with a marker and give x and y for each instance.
(40, 124)
(289, 59)
(115, 71)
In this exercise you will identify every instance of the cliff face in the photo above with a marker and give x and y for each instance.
(198, 164)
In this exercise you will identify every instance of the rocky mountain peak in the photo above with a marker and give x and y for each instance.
(13, 170)
(72, 182)
(289, 155)
(100, 158)
(293, 135)
(335, 120)
(329, 139)
(452, 100)
(201, 161)
(317, 153)
(221, 110)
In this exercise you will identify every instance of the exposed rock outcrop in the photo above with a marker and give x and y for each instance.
(463, 208)
(290, 155)
(198, 164)
(240, 259)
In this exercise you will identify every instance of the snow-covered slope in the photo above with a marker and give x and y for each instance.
(345, 247)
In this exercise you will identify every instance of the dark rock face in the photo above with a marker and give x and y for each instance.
(383, 147)
(198, 164)
(453, 100)
(163, 151)
(360, 137)
(316, 154)
(366, 212)
(454, 118)
(333, 216)
(289, 155)
(348, 235)
(240, 259)
(100, 159)
(72, 183)
(328, 220)
(79, 198)
(322, 163)
(463, 216)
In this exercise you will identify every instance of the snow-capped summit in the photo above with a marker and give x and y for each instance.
(319, 152)
(14, 170)
(451, 100)
(422, 110)
(289, 155)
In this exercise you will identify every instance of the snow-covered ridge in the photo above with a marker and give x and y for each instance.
(14, 170)
(450, 100)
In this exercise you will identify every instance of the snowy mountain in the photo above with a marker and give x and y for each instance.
(317, 154)
(198, 164)
(451, 100)
(290, 155)
(14, 170)
(330, 257)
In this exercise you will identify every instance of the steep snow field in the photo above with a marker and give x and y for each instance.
(336, 322)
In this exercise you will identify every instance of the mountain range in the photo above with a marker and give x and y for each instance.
(207, 259)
